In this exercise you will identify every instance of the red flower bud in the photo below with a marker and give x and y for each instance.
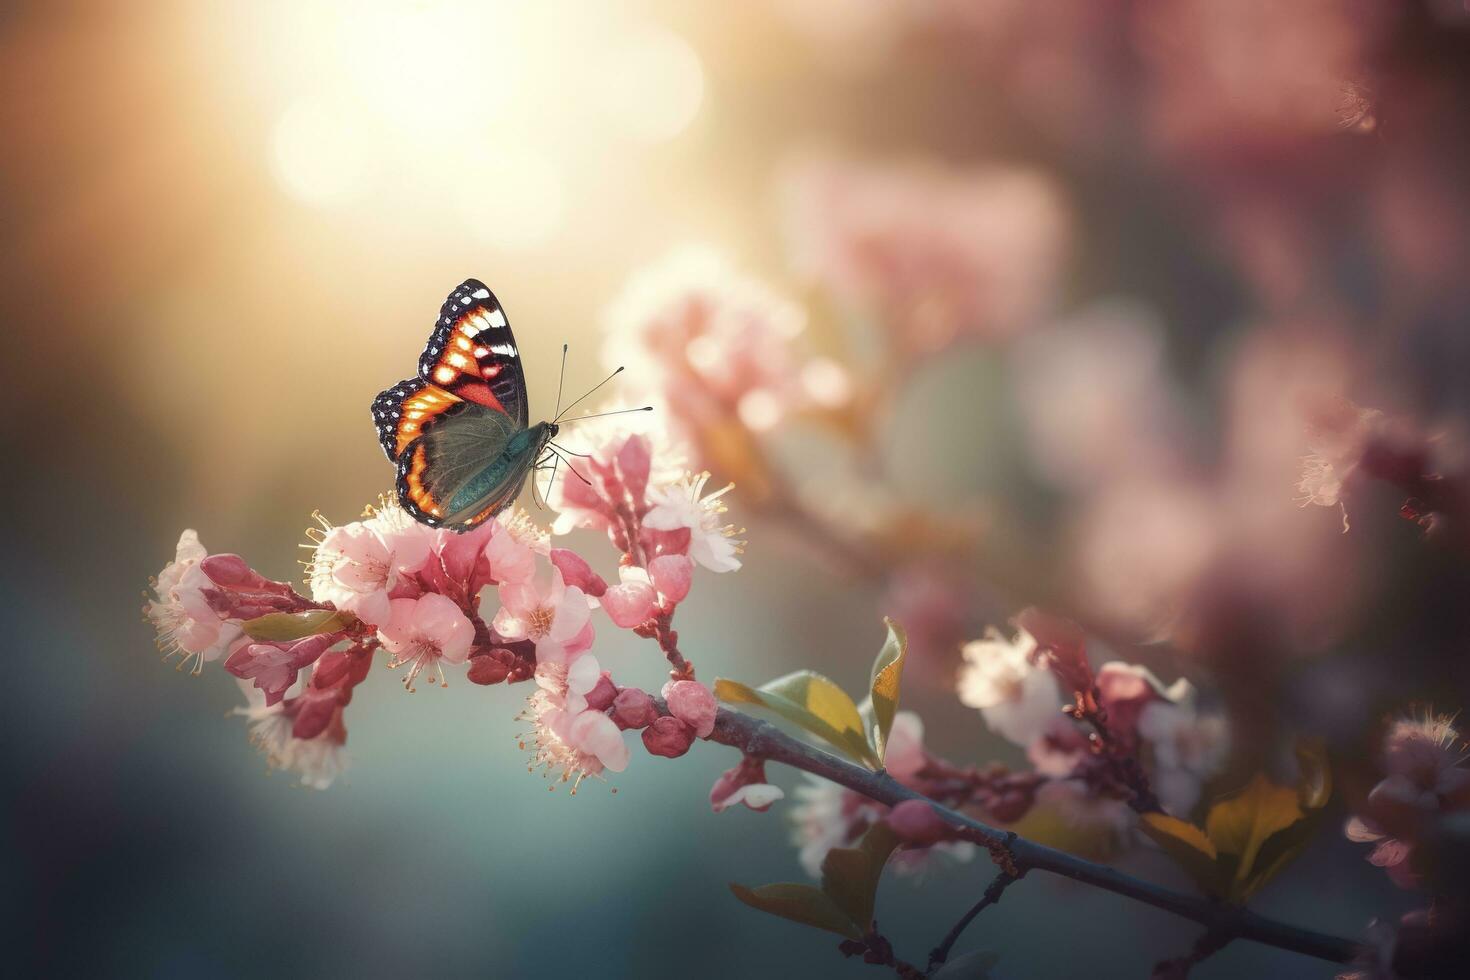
(668, 737)
(633, 708)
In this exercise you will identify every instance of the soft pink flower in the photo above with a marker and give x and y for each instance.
(317, 761)
(181, 614)
(745, 784)
(555, 617)
(357, 565)
(1426, 778)
(572, 745)
(716, 343)
(934, 253)
(1188, 745)
(684, 505)
(1019, 700)
(570, 683)
(425, 633)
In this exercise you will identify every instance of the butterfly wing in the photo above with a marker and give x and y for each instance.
(457, 431)
(472, 353)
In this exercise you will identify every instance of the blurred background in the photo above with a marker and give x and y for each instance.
(1064, 289)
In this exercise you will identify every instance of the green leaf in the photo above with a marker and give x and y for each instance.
(799, 903)
(1238, 825)
(812, 703)
(1187, 845)
(279, 627)
(850, 875)
(881, 704)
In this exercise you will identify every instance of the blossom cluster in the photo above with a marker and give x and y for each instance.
(419, 595)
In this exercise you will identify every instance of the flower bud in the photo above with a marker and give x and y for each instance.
(671, 575)
(692, 703)
(233, 573)
(633, 708)
(668, 737)
(575, 571)
(491, 667)
(603, 693)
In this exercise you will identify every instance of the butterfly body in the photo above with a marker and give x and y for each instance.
(458, 432)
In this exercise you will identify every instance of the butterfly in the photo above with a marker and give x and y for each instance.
(458, 432)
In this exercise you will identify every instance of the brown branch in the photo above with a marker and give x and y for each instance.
(993, 892)
(763, 740)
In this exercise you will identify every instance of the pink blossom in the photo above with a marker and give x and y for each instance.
(684, 505)
(1188, 745)
(1339, 434)
(745, 784)
(569, 683)
(572, 745)
(717, 344)
(692, 703)
(555, 617)
(1019, 700)
(424, 634)
(916, 822)
(357, 565)
(181, 614)
(827, 815)
(633, 601)
(317, 761)
(1426, 778)
(935, 253)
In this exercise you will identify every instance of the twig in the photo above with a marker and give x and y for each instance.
(763, 740)
(992, 895)
(1205, 946)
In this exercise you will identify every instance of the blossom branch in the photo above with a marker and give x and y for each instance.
(763, 740)
(993, 893)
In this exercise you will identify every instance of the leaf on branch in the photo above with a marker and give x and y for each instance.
(1187, 845)
(850, 875)
(799, 903)
(278, 627)
(881, 703)
(812, 703)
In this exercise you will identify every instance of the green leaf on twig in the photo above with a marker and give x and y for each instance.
(844, 903)
(850, 874)
(280, 627)
(881, 704)
(812, 703)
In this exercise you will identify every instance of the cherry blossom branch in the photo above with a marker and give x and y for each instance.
(993, 893)
(763, 740)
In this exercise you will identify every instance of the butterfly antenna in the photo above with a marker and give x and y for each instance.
(563, 411)
(568, 451)
(599, 415)
(561, 379)
(572, 468)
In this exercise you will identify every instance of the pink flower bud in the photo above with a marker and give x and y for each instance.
(630, 603)
(692, 703)
(633, 708)
(233, 573)
(668, 737)
(314, 714)
(603, 693)
(671, 575)
(575, 571)
(916, 822)
(746, 784)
